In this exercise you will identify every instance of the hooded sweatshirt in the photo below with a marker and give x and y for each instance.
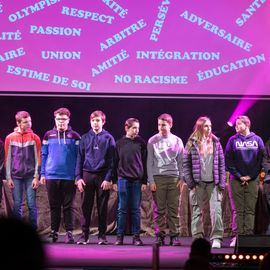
(243, 155)
(96, 154)
(22, 152)
(59, 154)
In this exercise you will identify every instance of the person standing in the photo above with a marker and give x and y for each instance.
(130, 162)
(204, 174)
(244, 152)
(94, 174)
(2, 168)
(22, 152)
(266, 183)
(59, 155)
(164, 169)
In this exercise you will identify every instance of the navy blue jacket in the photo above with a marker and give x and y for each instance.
(96, 154)
(243, 155)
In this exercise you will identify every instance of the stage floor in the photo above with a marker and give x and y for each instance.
(93, 256)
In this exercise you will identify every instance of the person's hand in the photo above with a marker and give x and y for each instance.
(10, 183)
(105, 185)
(143, 188)
(80, 185)
(115, 187)
(42, 180)
(244, 180)
(153, 187)
(35, 183)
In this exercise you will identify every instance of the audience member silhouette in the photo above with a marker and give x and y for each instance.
(21, 246)
(199, 256)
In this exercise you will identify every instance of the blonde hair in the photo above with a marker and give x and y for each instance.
(197, 133)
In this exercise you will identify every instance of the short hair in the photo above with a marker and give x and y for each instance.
(20, 115)
(166, 117)
(130, 121)
(98, 114)
(62, 111)
(201, 247)
(245, 119)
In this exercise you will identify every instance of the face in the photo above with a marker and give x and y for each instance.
(241, 127)
(25, 124)
(61, 122)
(96, 124)
(163, 127)
(207, 128)
(132, 131)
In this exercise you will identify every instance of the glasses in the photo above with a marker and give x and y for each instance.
(62, 119)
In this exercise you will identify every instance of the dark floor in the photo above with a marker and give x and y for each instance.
(93, 256)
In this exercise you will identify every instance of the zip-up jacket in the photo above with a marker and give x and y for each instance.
(192, 165)
(59, 154)
(243, 155)
(22, 152)
(96, 154)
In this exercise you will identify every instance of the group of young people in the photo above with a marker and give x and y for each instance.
(95, 164)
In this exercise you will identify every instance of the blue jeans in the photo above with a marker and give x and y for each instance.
(20, 185)
(129, 191)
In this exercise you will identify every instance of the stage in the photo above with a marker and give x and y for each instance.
(93, 256)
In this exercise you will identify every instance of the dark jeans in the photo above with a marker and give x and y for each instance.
(61, 193)
(92, 188)
(19, 186)
(129, 192)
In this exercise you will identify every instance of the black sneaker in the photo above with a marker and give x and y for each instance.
(69, 238)
(53, 237)
(119, 240)
(83, 239)
(175, 241)
(102, 240)
(137, 241)
(160, 240)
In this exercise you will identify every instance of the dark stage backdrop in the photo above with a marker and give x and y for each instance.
(184, 111)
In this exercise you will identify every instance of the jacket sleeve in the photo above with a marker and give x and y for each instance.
(111, 161)
(187, 169)
(144, 162)
(38, 156)
(2, 158)
(8, 158)
(258, 168)
(221, 163)
(266, 157)
(180, 157)
(44, 154)
(229, 160)
(150, 162)
(80, 160)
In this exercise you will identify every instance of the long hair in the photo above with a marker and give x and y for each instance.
(197, 133)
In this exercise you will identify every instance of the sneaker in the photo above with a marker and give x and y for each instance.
(83, 239)
(102, 240)
(175, 241)
(136, 241)
(69, 238)
(119, 240)
(216, 243)
(160, 240)
(233, 242)
(53, 237)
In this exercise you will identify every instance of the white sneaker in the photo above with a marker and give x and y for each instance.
(216, 243)
(233, 242)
